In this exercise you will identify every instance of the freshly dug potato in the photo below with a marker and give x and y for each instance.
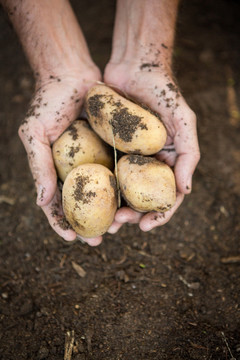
(135, 129)
(80, 145)
(89, 198)
(146, 183)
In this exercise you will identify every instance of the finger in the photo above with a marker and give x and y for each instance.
(40, 160)
(154, 219)
(58, 222)
(90, 241)
(167, 154)
(114, 227)
(127, 215)
(93, 241)
(187, 148)
(53, 211)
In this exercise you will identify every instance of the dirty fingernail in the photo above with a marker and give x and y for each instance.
(114, 228)
(189, 184)
(78, 237)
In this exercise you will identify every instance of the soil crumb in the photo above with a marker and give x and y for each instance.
(173, 88)
(79, 193)
(149, 65)
(125, 124)
(73, 132)
(95, 105)
(140, 160)
(145, 107)
(63, 223)
(73, 150)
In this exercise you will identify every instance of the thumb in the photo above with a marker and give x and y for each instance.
(187, 149)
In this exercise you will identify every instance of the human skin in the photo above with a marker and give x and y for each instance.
(64, 71)
(141, 66)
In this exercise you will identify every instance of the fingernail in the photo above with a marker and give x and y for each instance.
(114, 227)
(40, 194)
(189, 184)
(78, 237)
(93, 242)
(146, 228)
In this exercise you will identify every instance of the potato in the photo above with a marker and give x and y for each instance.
(146, 183)
(90, 199)
(135, 129)
(79, 145)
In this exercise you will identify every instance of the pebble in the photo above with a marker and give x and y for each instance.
(80, 357)
(25, 83)
(186, 254)
(5, 295)
(43, 353)
(26, 308)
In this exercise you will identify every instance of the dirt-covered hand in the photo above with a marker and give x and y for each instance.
(154, 87)
(53, 108)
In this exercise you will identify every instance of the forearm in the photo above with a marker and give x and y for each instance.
(50, 35)
(144, 30)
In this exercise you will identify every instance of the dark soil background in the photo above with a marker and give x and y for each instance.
(172, 293)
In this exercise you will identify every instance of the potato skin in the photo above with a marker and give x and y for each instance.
(135, 129)
(79, 145)
(89, 198)
(146, 183)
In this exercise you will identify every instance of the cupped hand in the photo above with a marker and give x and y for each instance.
(55, 105)
(156, 88)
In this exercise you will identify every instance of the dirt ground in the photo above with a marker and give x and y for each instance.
(172, 293)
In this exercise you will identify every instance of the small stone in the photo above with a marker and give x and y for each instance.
(194, 285)
(25, 83)
(43, 353)
(80, 357)
(186, 254)
(18, 99)
(26, 308)
(207, 56)
(224, 211)
(121, 275)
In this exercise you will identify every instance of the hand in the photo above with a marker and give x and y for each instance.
(56, 103)
(156, 88)
(58, 54)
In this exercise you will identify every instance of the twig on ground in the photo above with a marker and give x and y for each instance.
(233, 110)
(69, 341)
(231, 260)
(225, 340)
(81, 272)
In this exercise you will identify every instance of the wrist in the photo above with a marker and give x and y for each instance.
(82, 77)
(68, 68)
(50, 35)
(144, 32)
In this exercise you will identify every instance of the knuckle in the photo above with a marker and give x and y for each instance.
(24, 130)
